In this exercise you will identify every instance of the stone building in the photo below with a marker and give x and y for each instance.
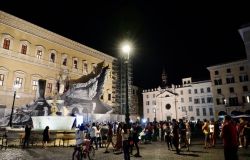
(29, 53)
(189, 101)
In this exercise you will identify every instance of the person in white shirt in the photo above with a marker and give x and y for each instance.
(211, 133)
(125, 142)
(93, 135)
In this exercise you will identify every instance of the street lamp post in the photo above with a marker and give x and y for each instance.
(15, 87)
(126, 49)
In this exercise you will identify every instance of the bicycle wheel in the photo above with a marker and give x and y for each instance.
(91, 154)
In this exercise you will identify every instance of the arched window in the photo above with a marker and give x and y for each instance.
(52, 57)
(39, 52)
(75, 63)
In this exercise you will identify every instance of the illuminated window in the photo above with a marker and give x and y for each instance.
(85, 67)
(24, 49)
(1, 79)
(6, 43)
(34, 85)
(19, 81)
(75, 63)
(39, 54)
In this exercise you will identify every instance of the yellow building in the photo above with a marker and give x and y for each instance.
(29, 52)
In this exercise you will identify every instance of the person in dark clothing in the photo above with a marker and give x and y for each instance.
(45, 136)
(27, 136)
(230, 140)
(136, 139)
(176, 136)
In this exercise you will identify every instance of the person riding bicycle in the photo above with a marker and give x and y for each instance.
(81, 139)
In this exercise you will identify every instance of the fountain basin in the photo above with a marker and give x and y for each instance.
(54, 122)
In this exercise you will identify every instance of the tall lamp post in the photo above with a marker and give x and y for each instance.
(15, 87)
(126, 49)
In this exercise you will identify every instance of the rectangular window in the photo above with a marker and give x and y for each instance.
(19, 81)
(182, 100)
(231, 89)
(217, 82)
(245, 88)
(75, 64)
(230, 80)
(39, 54)
(197, 112)
(189, 91)
(147, 103)
(190, 108)
(241, 68)
(195, 91)
(204, 111)
(208, 89)
(34, 85)
(49, 87)
(216, 72)
(243, 78)
(190, 99)
(1, 79)
(203, 100)
(6, 44)
(209, 100)
(202, 90)
(85, 67)
(65, 62)
(181, 92)
(153, 95)
(147, 110)
(244, 99)
(109, 97)
(196, 101)
(183, 109)
(24, 49)
(219, 91)
(147, 96)
(233, 101)
(211, 112)
(228, 70)
(218, 101)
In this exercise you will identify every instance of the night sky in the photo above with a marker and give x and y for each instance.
(182, 37)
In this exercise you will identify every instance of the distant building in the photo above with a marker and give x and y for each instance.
(189, 101)
(230, 83)
(230, 86)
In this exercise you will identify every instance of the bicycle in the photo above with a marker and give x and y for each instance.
(80, 153)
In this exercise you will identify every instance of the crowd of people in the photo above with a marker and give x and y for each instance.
(234, 133)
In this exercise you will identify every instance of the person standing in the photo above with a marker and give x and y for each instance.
(125, 141)
(93, 135)
(110, 139)
(230, 140)
(176, 135)
(27, 136)
(46, 135)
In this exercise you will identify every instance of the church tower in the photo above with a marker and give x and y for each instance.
(163, 78)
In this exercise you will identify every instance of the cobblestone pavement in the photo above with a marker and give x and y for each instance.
(154, 151)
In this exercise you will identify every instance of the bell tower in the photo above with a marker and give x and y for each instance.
(163, 78)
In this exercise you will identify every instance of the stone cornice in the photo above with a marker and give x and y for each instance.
(30, 28)
(228, 64)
